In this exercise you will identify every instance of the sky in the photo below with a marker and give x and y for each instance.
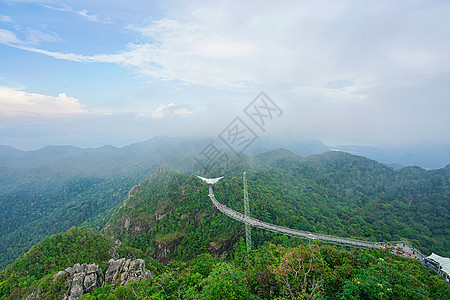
(90, 73)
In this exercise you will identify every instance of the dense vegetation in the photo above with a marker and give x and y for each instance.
(170, 218)
(35, 269)
(47, 191)
(171, 212)
(32, 208)
(277, 272)
(348, 195)
(310, 270)
(334, 193)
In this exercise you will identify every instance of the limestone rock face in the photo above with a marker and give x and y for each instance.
(81, 279)
(76, 289)
(113, 250)
(163, 249)
(122, 271)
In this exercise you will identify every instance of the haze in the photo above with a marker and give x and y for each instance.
(89, 73)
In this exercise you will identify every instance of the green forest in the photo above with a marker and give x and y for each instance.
(308, 271)
(195, 252)
(334, 193)
(35, 208)
(47, 191)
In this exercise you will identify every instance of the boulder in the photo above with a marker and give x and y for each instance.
(121, 271)
(90, 282)
(81, 279)
(59, 274)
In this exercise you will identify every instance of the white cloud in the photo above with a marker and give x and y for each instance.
(6, 19)
(181, 52)
(159, 112)
(184, 112)
(57, 55)
(8, 37)
(170, 109)
(34, 37)
(83, 13)
(15, 102)
(344, 94)
(294, 43)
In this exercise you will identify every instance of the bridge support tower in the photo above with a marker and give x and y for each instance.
(248, 234)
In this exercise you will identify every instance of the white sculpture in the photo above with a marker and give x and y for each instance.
(210, 181)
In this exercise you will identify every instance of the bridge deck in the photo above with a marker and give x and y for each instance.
(400, 248)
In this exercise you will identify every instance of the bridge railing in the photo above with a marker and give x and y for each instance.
(292, 232)
(394, 247)
(407, 244)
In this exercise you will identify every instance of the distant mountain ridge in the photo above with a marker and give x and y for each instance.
(109, 161)
(105, 161)
(425, 156)
(428, 156)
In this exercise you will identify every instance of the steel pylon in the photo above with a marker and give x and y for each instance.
(248, 235)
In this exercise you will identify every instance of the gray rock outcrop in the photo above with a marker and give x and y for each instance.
(113, 250)
(31, 297)
(122, 271)
(82, 279)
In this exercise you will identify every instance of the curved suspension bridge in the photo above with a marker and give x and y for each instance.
(400, 248)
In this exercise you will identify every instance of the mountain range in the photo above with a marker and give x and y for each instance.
(155, 209)
(47, 191)
(426, 156)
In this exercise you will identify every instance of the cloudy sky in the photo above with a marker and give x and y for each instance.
(90, 73)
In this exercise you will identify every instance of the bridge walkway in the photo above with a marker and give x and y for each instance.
(400, 248)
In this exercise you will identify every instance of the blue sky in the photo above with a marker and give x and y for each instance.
(90, 73)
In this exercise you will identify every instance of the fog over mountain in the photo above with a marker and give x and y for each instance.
(336, 111)
(428, 156)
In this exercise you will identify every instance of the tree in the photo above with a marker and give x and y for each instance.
(224, 282)
(300, 271)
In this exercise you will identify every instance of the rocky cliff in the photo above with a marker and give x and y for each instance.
(82, 279)
(122, 271)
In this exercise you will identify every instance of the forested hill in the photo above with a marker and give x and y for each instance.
(169, 217)
(106, 161)
(334, 193)
(47, 191)
(67, 265)
(374, 200)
